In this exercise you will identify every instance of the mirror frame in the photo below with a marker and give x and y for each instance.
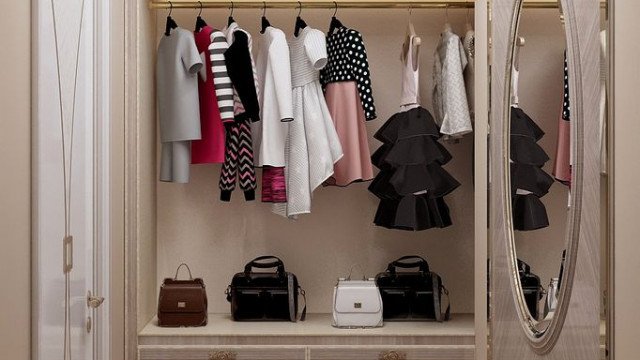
(543, 340)
(576, 322)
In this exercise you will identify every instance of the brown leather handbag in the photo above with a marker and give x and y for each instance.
(182, 302)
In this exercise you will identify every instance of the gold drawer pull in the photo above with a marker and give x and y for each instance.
(222, 355)
(392, 355)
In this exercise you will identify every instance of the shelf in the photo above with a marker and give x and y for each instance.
(315, 330)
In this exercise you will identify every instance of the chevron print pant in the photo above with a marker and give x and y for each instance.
(238, 162)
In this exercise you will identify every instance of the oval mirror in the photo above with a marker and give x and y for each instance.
(543, 177)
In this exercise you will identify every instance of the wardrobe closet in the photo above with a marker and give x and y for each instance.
(170, 223)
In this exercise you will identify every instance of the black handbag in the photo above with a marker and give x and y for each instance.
(265, 296)
(412, 296)
(531, 288)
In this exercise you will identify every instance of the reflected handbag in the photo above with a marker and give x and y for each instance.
(357, 303)
(265, 296)
(182, 302)
(412, 296)
(531, 288)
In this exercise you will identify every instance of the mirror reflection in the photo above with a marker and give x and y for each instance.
(540, 158)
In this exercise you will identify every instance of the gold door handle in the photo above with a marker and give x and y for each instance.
(222, 355)
(94, 302)
(392, 355)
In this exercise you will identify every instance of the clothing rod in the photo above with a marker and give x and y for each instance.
(315, 4)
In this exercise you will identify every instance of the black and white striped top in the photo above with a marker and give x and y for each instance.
(348, 62)
(221, 80)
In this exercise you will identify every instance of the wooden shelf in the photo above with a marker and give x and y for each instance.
(315, 330)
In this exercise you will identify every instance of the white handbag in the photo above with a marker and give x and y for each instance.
(357, 304)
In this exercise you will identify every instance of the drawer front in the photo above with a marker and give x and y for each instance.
(220, 353)
(463, 352)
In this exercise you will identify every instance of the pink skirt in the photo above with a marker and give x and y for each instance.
(348, 117)
(562, 165)
(273, 185)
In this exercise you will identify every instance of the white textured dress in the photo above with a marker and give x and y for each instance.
(312, 146)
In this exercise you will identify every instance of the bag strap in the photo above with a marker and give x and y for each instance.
(292, 290)
(419, 262)
(178, 269)
(260, 264)
(438, 291)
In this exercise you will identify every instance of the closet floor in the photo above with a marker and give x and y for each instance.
(315, 330)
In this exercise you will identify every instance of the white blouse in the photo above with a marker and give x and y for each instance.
(275, 98)
(450, 105)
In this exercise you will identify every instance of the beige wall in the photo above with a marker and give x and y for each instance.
(626, 147)
(15, 181)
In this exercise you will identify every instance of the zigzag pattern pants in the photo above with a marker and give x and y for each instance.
(238, 162)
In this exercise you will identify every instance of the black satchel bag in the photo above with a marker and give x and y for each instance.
(265, 296)
(412, 296)
(531, 288)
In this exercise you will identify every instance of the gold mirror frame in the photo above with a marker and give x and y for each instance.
(542, 337)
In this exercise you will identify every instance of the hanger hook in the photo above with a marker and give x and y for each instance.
(446, 13)
(335, 8)
(231, 14)
(299, 8)
(200, 13)
(170, 8)
(410, 9)
(264, 8)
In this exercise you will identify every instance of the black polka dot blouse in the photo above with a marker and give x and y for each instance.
(348, 62)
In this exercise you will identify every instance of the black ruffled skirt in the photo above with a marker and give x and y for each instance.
(412, 182)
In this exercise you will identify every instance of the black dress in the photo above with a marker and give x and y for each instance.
(529, 182)
(411, 183)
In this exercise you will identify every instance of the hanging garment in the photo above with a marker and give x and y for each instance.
(450, 104)
(410, 96)
(178, 63)
(210, 148)
(529, 182)
(412, 183)
(312, 144)
(233, 69)
(469, 44)
(347, 84)
(276, 108)
(562, 164)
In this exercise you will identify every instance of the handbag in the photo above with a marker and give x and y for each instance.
(356, 303)
(265, 296)
(182, 302)
(412, 296)
(531, 288)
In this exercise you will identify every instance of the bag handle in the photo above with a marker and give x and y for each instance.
(419, 262)
(178, 269)
(260, 264)
(293, 292)
(354, 266)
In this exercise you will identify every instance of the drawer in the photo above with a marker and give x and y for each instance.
(426, 352)
(158, 352)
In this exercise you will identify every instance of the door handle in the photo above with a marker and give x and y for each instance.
(94, 302)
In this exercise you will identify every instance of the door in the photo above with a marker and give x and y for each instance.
(71, 195)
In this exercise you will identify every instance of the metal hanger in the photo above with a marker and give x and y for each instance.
(335, 23)
(264, 23)
(231, 20)
(200, 23)
(171, 24)
(300, 24)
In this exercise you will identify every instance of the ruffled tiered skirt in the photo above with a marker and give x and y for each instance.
(412, 183)
(529, 182)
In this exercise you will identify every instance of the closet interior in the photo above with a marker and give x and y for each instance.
(188, 223)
